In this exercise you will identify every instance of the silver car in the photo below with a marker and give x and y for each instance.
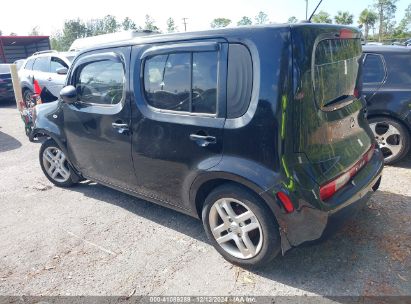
(49, 68)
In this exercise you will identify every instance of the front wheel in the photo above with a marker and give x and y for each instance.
(392, 137)
(240, 226)
(55, 165)
(28, 98)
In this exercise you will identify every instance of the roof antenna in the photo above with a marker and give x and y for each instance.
(319, 3)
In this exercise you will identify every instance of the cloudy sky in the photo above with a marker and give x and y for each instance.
(21, 16)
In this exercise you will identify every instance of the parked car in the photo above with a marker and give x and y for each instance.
(19, 63)
(386, 85)
(6, 84)
(49, 68)
(244, 128)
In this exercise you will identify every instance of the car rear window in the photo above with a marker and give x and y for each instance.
(336, 70)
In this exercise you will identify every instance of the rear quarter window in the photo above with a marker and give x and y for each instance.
(373, 69)
(239, 80)
(336, 66)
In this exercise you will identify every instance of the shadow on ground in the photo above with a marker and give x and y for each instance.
(369, 256)
(8, 142)
(405, 162)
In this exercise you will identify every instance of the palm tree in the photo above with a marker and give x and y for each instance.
(367, 19)
(344, 18)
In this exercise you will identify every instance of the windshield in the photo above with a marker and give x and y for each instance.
(336, 69)
(4, 68)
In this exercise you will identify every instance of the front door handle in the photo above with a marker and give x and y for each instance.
(50, 79)
(203, 140)
(121, 128)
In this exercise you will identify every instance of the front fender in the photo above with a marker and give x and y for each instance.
(48, 122)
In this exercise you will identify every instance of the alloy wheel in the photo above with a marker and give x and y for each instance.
(56, 164)
(236, 228)
(388, 138)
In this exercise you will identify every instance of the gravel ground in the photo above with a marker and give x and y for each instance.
(92, 240)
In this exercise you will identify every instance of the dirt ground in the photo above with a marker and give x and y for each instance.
(92, 240)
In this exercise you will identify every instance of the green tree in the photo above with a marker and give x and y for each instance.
(367, 19)
(386, 14)
(344, 18)
(245, 21)
(128, 24)
(261, 18)
(1, 32)
(150, 24)
(72, 30)
(404, 26)
(292, 19)
(171, 25)
(110, 24)
(322, 17)
(220, 22)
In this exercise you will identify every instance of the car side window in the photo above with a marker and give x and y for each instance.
(100, 82)
(29, 64)
(42, 64)
(373, 69)
(185, 82)
(57, 63)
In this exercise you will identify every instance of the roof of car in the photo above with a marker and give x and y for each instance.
(213, 33)
(386, 49)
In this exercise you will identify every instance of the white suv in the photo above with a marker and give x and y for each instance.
(49, 68)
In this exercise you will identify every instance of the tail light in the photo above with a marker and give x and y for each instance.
(356, 93)
(329, 189)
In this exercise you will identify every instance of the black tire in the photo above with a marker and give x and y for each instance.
(271, 243)
(402, 140)
(65, 181)
(27, 96)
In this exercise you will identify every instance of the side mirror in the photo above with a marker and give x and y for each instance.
(69, 94)
(62, 71)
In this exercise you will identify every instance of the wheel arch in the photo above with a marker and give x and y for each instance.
(390, 115)
(206, 183)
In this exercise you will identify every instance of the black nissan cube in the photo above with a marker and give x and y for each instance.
(258, 131)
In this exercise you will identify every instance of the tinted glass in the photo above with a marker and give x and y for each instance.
(101, 82)
(29, 64)
(57, 63)
(204, 82)
(399, 66)
(336, 69)
(373, 69)
(167, 81)
(42, 64)
(239, 80)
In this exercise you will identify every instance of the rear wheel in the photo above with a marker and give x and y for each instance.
(392, 137)
(55, 165)
(240, 226)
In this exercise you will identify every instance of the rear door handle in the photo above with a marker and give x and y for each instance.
(203, 140)
(50, 79)
(121, 128)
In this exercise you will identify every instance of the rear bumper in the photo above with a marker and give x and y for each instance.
(309, 223)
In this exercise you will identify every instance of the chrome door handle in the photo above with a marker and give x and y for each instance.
(203, 140)
(121, 128)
